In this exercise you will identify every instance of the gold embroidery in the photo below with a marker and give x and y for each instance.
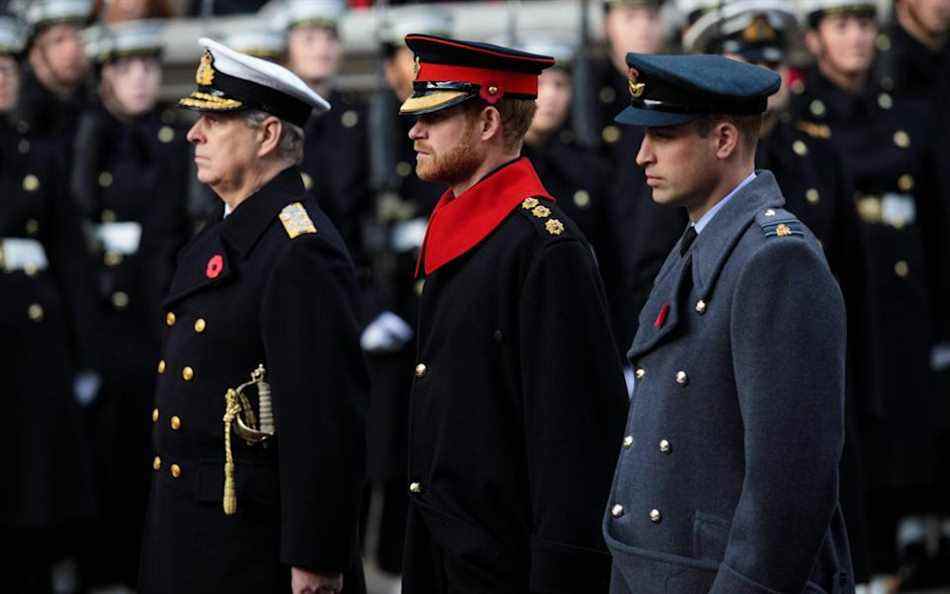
(205, 73)
(636, 89)
(554, 227)
(529, 203)
(783, 230)
(541, 212)
(296, 220)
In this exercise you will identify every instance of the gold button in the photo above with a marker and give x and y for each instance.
(640, 373)
(817, 108)
(307, 180)
(492, 90)
(112, 258)
(120, 300)
(157, 463)
(665, 446)
(770, 213)
(582, 198)
(105, 179)
(35, 312)
(800, 148)
(883, 42)
(108, 216)
(31, 183)
(32, 227)
(166, 134)
(350, 118)
(905, 182)
(610, 134)
(902, 139)
(616, 511)
(176, 423)
(415, 487)
(681, 378)
(154, 415)
(607, 95)
(655, 516)
(187, 374)
(176, 470)
(700, 307)
(421, 370)
(420, 285)
(628, 441)
(812, 196)
(161, 366)
(403, 169)
(170, 319)
(885, 101)
(200, 325)
(902, 269)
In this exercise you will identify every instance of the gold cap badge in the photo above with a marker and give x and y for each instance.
(205, 73)
(636, 89)
(416, 67)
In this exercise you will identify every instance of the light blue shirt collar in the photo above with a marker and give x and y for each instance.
(704, 220)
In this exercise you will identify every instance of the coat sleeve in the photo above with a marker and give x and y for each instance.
(788, 344)
(575, 408)
(319, 385)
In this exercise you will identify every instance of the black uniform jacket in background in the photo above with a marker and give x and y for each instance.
(247, 293)
(42, 450)
(518, 400)
(727, 481)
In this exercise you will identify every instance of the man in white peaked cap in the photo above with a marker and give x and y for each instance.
(261, 331)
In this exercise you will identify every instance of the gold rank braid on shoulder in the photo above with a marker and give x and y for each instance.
(296, 221)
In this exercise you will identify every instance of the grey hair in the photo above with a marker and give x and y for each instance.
(290, 146)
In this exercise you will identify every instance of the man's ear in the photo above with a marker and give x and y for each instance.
(268, 134)
(726, 136)
(489, 123)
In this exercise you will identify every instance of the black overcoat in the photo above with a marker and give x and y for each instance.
(249, 291)
(517, 402)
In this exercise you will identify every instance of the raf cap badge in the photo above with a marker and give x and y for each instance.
(636, 89)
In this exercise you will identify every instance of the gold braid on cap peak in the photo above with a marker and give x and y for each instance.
(208, 101)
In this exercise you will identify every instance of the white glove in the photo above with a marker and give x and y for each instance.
(386, 334)
(86, 386)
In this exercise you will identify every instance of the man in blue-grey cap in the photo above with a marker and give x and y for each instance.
(728, 472)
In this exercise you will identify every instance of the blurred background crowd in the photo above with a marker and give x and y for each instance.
(99, 194)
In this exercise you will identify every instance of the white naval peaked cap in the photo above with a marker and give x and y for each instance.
(323, 13)
(12, 36)
(125, 39)
(260, 43)
(411, 19)
(812, 9)
(230, 81)
(734, 16)
(49, 12)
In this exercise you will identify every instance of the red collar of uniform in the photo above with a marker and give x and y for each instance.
(459, 223)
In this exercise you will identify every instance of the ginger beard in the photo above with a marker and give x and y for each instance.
(456, 164)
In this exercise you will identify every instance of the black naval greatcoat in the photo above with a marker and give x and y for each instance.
(269, 285)
(517, 402)
(901, 199)
(41, 277)
(727, 481)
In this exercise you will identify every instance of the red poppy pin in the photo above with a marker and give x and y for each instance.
(215, 266)
(661, 319)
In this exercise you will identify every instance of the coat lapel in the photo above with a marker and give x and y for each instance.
(204, 263)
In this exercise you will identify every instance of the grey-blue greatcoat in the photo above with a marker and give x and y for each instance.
(727, 479)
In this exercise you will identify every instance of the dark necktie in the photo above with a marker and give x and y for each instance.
(688, 238)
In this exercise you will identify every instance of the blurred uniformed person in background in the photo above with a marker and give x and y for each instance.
(335, 165)
(54, 91)
(579, 177)
(727, 481)
(266, 44)
(518, 396)
(47, 486)
(261, 330)
(814, 182)
(129, 178)
(914, 56)
(403, 203)
(889, 145)
(642, 231)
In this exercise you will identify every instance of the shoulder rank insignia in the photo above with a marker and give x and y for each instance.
(541, 211)
(296, 220)
(814, 130)
(779, 223)
(554, 227)
(529, 203)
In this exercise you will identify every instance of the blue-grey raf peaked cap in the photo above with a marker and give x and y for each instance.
(668, 90)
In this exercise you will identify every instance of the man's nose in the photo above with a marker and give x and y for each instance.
(417, 131)
(645, 154)
(194, 134)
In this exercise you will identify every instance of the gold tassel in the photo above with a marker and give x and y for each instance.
(230, 496)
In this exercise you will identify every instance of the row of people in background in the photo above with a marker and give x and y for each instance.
(105, 180)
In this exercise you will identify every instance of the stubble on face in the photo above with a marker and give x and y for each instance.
(456, 164)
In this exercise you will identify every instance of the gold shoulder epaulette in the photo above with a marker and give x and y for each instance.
(814, 130)
(296, 220)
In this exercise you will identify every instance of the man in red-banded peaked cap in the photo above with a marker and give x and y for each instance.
(518, 397)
